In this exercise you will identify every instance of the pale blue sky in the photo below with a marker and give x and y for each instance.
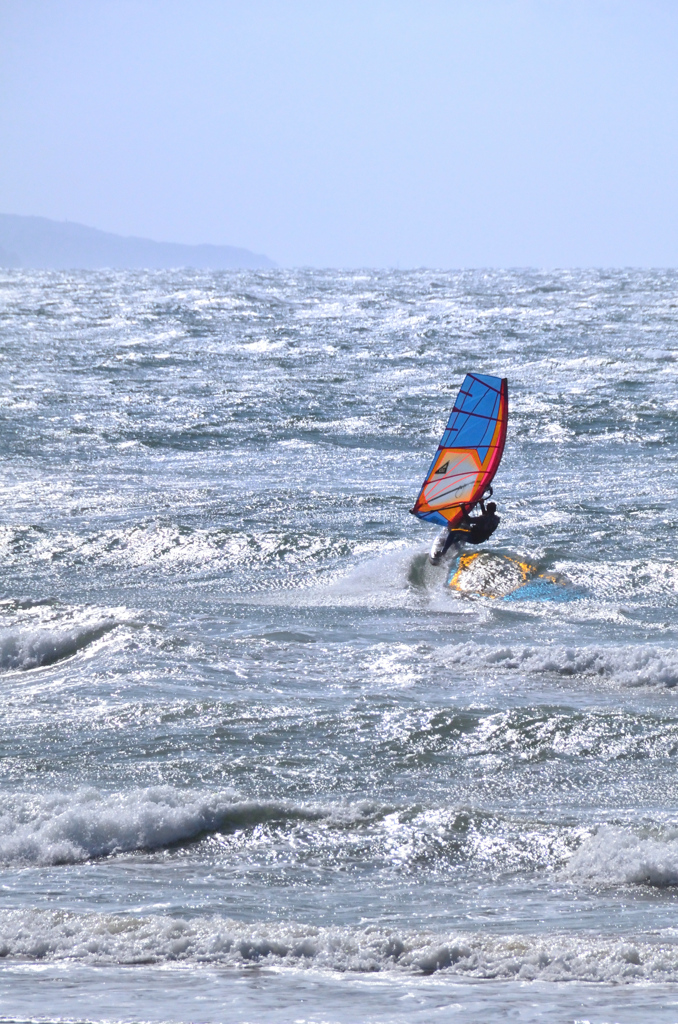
(441, 133)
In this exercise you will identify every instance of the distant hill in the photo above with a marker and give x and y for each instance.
(39, 243)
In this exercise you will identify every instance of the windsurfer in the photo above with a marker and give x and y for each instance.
(469, 530)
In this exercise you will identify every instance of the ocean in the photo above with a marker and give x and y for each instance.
(259, 764)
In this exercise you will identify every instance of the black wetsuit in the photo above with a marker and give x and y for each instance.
(472, 529)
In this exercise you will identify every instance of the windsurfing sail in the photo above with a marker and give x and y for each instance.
(469, 452)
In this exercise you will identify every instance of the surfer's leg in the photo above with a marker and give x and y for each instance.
(453, 537)
(437, 548)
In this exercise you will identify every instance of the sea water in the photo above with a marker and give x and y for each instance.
(258, 763)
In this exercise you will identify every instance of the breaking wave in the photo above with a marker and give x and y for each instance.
(69, 828)
(41, 635)
(617, 856)
(65, 828)
(23, 650)
(627, 666)
(106, 939)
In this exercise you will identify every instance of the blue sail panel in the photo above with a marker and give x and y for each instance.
(469, 452)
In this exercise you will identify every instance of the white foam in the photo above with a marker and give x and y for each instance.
(624, 579)
(26, 649)
(378, 582)
(72, 827)
(154, 544)
(397, 575)
(63, 828)
(40, 635)
(644, 665)
(107, 939)
(616, 856)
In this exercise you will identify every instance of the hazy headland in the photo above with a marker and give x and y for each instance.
(38, 243)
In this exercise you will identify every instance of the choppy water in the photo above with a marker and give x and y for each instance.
(258, 764)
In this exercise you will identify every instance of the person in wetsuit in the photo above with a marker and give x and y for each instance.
(474, 529)
(483, 526)
(470, 529)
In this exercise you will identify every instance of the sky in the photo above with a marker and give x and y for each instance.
(351, 133)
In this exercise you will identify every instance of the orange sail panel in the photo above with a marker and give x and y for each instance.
(469, 452)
